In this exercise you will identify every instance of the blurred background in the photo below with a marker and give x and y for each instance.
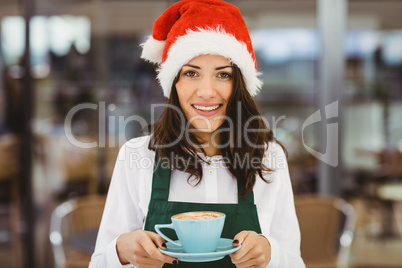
(78, 65)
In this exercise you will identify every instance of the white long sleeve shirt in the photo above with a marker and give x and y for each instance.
(130, 191)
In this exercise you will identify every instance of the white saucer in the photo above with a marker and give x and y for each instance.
(224, 248)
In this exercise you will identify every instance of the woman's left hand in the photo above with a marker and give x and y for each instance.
(255, 250)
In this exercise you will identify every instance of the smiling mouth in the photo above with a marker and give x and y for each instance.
(206, 108)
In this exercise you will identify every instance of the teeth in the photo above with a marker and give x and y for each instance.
(206, 108)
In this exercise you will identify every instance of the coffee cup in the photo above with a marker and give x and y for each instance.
(198, 231)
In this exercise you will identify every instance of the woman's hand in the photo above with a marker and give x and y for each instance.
(255, 250)
(140, 248)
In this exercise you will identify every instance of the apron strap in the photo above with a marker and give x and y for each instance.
(161, 184)
(246, 200)
(160, 180)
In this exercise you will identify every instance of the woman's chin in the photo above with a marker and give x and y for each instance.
(204, 129)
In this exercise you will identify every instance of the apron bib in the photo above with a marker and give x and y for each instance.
(239, 217)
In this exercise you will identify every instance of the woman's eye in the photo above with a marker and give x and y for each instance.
(190, 73)
(224, 75)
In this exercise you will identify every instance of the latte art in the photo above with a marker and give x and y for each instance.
(198, 215)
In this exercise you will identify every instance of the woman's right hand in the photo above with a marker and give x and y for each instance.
(140, 248)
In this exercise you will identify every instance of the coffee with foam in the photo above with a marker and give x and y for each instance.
(198, 215)
(197, 231)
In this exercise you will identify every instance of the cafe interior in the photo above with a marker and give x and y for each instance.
(73, 87)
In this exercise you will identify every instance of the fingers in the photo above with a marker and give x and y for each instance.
(147, 242)
(249, 256)
(255, 251)
(157, 239)
(141, 258)
(139, 248)
(145, 261)
(243, 254)
(249, 263)
(239, 238)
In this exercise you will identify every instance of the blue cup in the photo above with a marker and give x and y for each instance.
(198, 232)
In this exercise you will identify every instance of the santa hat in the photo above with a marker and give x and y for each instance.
(190, 28)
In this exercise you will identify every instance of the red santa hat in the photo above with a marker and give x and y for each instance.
(190, 28)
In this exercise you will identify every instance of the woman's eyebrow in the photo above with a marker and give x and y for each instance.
(197, 67)
(192, 66)
(223, 67)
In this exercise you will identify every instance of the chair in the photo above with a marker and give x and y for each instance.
(9, 168)
(73, 230)
(326, 226)
(10, 239)
(73, 169)
(398, 216)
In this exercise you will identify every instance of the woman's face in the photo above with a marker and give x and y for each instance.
(204, 88)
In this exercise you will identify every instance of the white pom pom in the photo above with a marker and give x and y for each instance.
(152, 50)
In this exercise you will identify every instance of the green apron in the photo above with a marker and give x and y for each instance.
(239, 217)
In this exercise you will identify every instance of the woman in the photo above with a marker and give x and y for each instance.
(210, 150)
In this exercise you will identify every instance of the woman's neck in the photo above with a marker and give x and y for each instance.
(209, 144)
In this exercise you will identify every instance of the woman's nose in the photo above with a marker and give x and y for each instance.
(206, 88)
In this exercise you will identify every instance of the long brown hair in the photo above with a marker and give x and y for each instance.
(235, 151)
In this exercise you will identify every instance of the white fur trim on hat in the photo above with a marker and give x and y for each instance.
(203, 42)
(152, 50)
